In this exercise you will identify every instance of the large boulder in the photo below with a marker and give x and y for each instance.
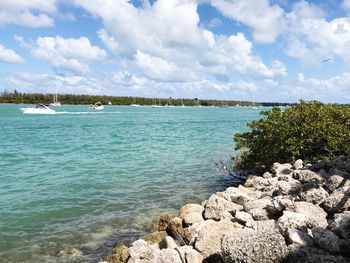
(315, 215)
(307, 176)
(256, 182)
(326, 240)
(315, 195)
(168, 242)
(290, 187)
(142, 252)
(191, 213)
(260, 203)
(302, 254)
(217, 207)
(259, 214)
(254, 246)
(208, 240)
(292, 220)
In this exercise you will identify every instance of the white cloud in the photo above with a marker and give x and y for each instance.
(9, 56)
(108, 40)
(70, 54)
(346, 5)
(215, 22)
(266, 20)
(31, 13)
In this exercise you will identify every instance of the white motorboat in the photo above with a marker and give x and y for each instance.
(96, 106)
(135, 105)
(55, 102)
(38, 109)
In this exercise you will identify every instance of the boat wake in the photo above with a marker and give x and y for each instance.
(86, 112)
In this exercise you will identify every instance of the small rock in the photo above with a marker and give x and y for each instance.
(163, 221)
(120, 254)
(326, 240)
(70, 251)
(337, 201)
(217, 205)
(190, 208)
(169, 256)
(259, 214)
(256, 182)
(267, 175)
(315, 195)
(155, 237)
(296, 236)
(336, 181)
(292, 187)
(298, 164)
(175, 228)
(307, 176)
(243, 217)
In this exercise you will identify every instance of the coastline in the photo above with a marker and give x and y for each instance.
(293, 213)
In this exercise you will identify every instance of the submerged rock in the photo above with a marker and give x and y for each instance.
(69, 251)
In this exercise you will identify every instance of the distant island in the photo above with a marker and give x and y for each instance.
(74, 99)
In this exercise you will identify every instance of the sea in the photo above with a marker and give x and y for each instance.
(94, 179)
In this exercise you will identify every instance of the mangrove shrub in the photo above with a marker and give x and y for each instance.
(309, 131)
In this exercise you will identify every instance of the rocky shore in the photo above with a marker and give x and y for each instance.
(293, 213)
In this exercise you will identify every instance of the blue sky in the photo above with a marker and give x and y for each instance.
(216, 49)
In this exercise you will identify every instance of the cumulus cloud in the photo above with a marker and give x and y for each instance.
(31, 13)
(108, 40)
(69, 54)
(346, 5)
(265, 20)
(9, 56)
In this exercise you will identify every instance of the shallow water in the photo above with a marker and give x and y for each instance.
(90, 179)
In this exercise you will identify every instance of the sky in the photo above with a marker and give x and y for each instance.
(261, 50)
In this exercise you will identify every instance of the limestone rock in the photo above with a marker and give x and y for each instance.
(278, 168)
(208, 241)
(289, 187)
(237, 195)
(217, 205)
(338, 201)
(315, 215)
(336, 181)
(302, 254)
(155, 237)
(296, 236)
(190, 255)
(341, 225)
(259, 214)
(326, 240)
(142, 252)
(298, 164)
(254, 246)
(315, 195)
(192, 218)
(267, 175)
(307, 176)
(243, 217)
(169, 256)
(256, 182)
(163, 221)
(190, 208)
(260, 203)
(120, 254)
(291, 220)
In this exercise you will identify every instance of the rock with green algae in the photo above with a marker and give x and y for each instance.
(155, 237)
(120, 254)
(164, 221)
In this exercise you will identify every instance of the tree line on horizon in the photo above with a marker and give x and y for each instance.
(75, 99)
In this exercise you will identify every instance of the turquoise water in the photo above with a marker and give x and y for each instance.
(85, 179)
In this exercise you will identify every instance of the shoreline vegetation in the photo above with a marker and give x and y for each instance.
(16, 97)
(286, 211)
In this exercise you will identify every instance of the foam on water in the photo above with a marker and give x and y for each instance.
(91, 179)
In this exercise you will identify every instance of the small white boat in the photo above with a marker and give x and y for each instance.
(135, 105)
(38, 109)
(109, 103)
(96, 106)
